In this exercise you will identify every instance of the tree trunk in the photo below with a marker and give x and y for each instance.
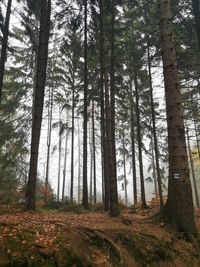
(133, 147)
(91, 159)
(39, 101)
(192, 169)
(124, 165)
(143, 197)
(65, 159)
(105, 174)
(94, 153)
(179, 208)
(196, 12)
(59, 157)
(4, 45)
(197, 139)
(112, 83)
(85, 184)
(79, 165)
(154, 170)
(50, 108)
(72, 147)
(110, 121)
(34, 84)
(154, 131)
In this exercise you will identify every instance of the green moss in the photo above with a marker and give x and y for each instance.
(146, 249)
(107, 248)
(65, 257)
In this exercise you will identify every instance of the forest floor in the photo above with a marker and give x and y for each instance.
(51, 238)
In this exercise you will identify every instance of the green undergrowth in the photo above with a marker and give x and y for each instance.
(74, 208)
(10, 208)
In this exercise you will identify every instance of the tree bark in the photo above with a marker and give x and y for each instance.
(110, 124)
(79, 165)
(143, 197)
(154, 132)
(179, 209)
(105, 174)
(72, 146)
(196, 12)
(133, 147)
(50, 108)
(85, 183)
(65, 159)
(124, 165)
(192, 169)
(91, 159)
(39, 101)
(4, 46)
(197, 139)
(94, 153)
(154, 170)
(112, 83)
(59, 157)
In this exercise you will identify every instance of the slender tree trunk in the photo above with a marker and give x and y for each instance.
(105, 177)
(79, 165)
(34, 84)
(179, 208)
(65, 159)
(72, 147)
(59, 156)
(112, 84)
(143, 197)
(50, 108)
(154, 170)
(108, 147)
(196, 12)
(124, 165)
(85, 183)
(39, 101)
(154, 132)
(133, 147)
(4, 45)
(94, 153)
(91, 159)
(192, 169)
(110, 124)
(197, 139)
